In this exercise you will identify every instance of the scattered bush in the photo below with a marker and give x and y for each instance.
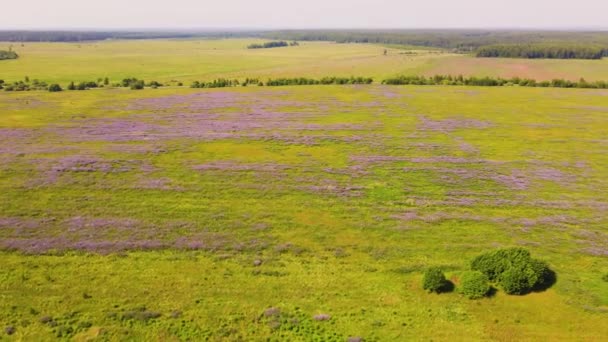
(137, 85)
(605, 277)
(10, 330)
(474, 285)
(514, 270)
(8, 55)
(55, 88)
(133, 83)
(434, 280)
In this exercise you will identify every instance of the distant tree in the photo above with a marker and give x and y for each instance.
(106, 81)
(55, 87)
(27, 79)
(71, 86)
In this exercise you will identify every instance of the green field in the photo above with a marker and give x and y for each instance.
(240, 214)
(190, 60)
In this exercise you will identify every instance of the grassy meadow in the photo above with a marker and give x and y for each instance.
(187, 60)
(292, 213)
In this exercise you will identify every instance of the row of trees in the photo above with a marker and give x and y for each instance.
(324, 81)
(218, 83)
(449, 80)
(8, 54)
(557, 51)
(222, 82)
(274, 44)
(77, 36)
(492, 82)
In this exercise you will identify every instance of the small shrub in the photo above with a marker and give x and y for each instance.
(515, 281)
(474, 285)
(605, 277)
(55, 88)
(434, 280)
(137, 85)
(10, 330)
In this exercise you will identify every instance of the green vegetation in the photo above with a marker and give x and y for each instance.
(543, 51)
(434, 280)
(459, 40)
(324, 81)
(55, 88)
(269, 45)
(474, 285)
(491, 82)
(186, 61)
(8, 55)
(514, 270)
(297, 213)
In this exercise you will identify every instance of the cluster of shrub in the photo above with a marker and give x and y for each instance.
(24, 85)
(269, 45)
(512, 269)
(555, 51)
(491, 82)
(217, 83)
(8, 54)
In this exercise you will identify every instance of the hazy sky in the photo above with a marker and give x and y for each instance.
(302, 13)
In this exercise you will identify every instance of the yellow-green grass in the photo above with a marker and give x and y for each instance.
(187, 60)
(190, 60)
(537, 69)
(345, 194)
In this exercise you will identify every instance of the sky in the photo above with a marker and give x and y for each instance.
(273, 14)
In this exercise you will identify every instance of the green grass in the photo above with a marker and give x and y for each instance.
(345, 194)
(187, 60)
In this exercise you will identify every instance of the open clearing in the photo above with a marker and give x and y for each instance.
(188, 60)
(240, 214)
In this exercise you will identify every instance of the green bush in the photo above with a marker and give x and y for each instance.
(474, 285)
(494, 263)
(605, 277)
(55, 88)
(514, 270)
(434, 280)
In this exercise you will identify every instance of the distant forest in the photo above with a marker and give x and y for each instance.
(560, 51)
(481, 43)
(79, 36)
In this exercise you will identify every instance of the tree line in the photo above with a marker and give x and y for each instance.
(492, 82)
(465, 41)
(445, 80)
(276, 82)
(27, 85)
(274, 44)
(556, 50)
(78, 36)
